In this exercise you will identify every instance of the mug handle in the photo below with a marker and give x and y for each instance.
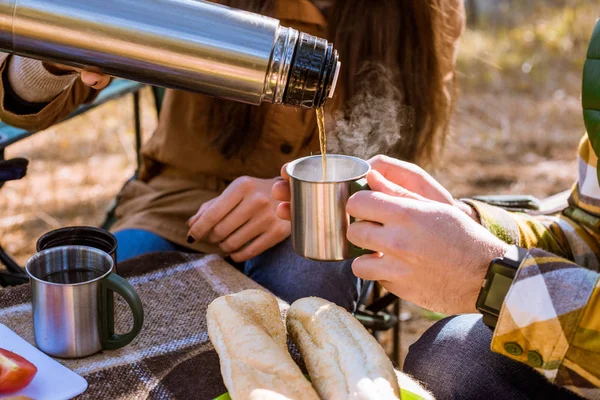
(109, 339)
(357, 186)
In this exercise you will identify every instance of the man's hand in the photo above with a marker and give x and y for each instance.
(89, 78)
(429, 252)
(406, 177)
(241, 220)
(431, 249)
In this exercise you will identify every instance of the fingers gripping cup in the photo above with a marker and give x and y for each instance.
(318, 206)
(72, 313)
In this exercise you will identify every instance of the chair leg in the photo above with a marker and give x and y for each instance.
(376, 317)
(138, 127)
(110, 218)
(15, 275)
(397, 346)
(10, 263)
(8, 279)
(376, 295)
(2, 158)
(383, 302)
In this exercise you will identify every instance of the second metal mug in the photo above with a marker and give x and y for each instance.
(319, 217)
(83, 236)
(80, 236)
(70, 291)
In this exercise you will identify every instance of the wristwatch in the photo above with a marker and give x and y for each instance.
(497, 282)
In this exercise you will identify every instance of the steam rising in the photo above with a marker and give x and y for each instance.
(373, 119)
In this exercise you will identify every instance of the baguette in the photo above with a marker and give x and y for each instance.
(249, 335)
(344, 361)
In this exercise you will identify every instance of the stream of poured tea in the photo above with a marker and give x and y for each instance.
(322, 142)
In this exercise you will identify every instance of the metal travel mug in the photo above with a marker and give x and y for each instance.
(71, 312)
(319, 217)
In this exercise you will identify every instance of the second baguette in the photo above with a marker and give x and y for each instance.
(249, 335)
(344, 361)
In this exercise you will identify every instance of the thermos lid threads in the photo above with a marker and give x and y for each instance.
(312, 72)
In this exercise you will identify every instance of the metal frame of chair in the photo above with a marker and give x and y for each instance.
(374, 314)
(14, 273)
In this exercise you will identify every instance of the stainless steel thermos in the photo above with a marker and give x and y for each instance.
(181, 44)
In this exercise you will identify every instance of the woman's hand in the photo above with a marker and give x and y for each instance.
(242, 220)
(281, 193)
(89, 78)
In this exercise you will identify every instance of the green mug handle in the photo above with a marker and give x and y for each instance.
(109, 339)
(357, 186)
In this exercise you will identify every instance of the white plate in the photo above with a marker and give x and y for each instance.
(53, 380)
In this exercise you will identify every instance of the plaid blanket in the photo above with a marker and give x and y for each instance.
(172, 358)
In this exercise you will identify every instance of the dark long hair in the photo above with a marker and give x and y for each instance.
(404, 36)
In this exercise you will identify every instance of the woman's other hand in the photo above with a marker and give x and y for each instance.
(92, 79)
(242, 220)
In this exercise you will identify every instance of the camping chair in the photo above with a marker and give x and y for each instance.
(16, 168)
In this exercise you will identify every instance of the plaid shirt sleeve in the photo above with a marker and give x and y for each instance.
(577, 240)
(550, 319)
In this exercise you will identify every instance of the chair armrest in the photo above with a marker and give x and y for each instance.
(117, 88)
(511, 202)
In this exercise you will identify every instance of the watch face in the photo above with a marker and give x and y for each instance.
(495, 287)
(497, 291)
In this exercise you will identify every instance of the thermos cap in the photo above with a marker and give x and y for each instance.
(313, 73)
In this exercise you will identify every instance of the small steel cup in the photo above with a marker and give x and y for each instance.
(70, 291)
(83, 236)
(80, 236)
(319, 217)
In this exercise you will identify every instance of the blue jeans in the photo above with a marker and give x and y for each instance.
(278, 269)
(290, 276)
(454, 361)
(135, 242)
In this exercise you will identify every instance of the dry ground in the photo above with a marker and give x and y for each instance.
(516, 129)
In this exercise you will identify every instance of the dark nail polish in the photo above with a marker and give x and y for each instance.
(190, 240)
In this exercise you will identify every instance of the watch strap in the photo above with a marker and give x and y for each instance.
(512, 260)
(514, 256)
